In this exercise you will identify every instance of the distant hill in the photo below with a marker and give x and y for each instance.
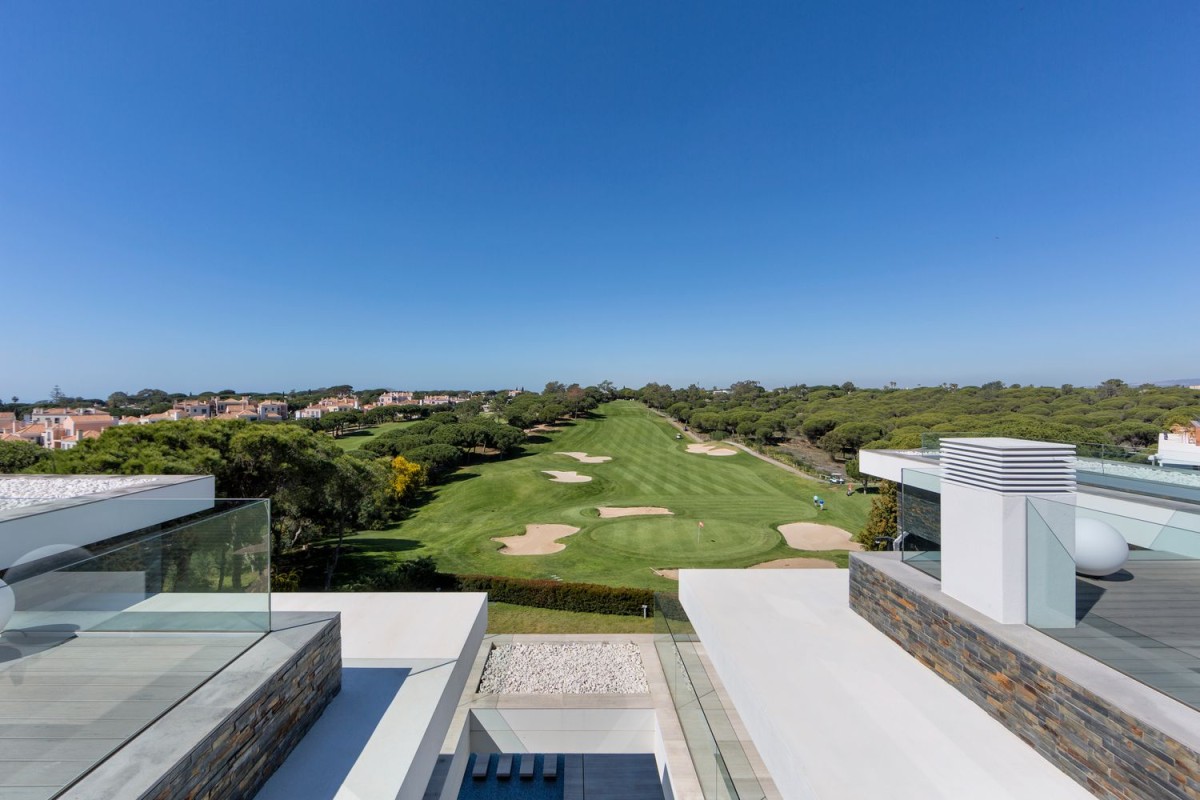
(1180, 382)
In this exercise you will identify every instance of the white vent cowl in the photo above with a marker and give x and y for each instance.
(1009, 466)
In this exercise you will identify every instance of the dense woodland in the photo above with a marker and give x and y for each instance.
(842, 419)
(320, 492)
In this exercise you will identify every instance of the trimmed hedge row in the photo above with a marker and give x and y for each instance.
(560, 595)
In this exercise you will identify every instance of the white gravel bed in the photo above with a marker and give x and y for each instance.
(572, 668)
(23, 492)
(1178, 477)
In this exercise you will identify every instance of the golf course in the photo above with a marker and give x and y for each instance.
(724, 507)
(356, 439)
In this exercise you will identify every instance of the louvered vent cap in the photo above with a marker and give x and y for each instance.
(1009, 465)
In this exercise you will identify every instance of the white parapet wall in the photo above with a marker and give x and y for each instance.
(406, 658)
(79, 520)
(889, 465)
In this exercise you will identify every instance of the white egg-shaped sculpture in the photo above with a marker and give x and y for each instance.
(8, 604)
(47, 558)
(1100, 549)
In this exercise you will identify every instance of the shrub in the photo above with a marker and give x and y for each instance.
(559, 595)
(285, 581)
(414, 575)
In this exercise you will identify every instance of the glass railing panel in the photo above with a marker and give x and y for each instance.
(202, 571)
(111, 633)
(1050, 565)
(919, 519)
(1139, 619)
(722, 766)
(1179, 537)
(931, 441)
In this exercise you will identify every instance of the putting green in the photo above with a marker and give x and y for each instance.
(740, 499)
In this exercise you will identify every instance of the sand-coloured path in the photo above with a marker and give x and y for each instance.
(815, 536)
(669, 574)
(538, 540)
(711, 450)
(566, 477)
(795, 563)
(584, 458)
(608, 512)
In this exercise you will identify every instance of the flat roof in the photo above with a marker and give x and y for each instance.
(405, 659)
(22, 495)
(823, 693)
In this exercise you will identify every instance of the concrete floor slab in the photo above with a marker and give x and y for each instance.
(838, 710)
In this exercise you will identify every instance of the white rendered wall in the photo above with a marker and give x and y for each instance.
(83, 523)
(435, 635)
(890, 464)
(562, 730)
(981, 550)
(1180, 453)
(985, 554)
(660, 757)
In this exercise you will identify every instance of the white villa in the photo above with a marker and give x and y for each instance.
(1180, 447)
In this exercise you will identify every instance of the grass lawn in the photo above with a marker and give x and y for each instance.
(739, 498)
(356, 439)
(507, 618)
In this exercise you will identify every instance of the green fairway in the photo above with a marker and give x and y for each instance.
(356, 439)
(739, 498)
(507, 618)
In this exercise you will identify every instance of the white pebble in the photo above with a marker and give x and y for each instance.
(22, 492)
(571, 668)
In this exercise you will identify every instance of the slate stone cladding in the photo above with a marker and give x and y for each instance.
(1109, 752)
(238, 757)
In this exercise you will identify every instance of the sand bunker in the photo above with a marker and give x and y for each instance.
(584, 458)
(566, 477)
(815, 536)
(711, 450)
(539, 540)
(669, 574)
(607, 512)
(795, 563)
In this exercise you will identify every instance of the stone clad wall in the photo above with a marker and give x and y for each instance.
(1105, 749)
(229, 736)
(235, 760)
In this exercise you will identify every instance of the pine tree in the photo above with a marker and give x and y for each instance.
(881, 521)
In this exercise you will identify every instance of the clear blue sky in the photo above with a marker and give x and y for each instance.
(279, 195)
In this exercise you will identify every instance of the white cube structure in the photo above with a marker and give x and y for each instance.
(985, 483)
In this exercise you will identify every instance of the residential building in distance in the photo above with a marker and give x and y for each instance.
(195, 409)
(1180, 447)
(328, 405)
(442, 400)
(396, 399)
(55, 428)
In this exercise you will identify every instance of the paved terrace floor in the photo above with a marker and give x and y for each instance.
(838, 710)
(1145, 622)
(67, 701)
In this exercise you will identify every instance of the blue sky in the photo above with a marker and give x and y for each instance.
(279, 195)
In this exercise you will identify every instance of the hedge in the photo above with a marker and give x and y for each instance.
(560, 595)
